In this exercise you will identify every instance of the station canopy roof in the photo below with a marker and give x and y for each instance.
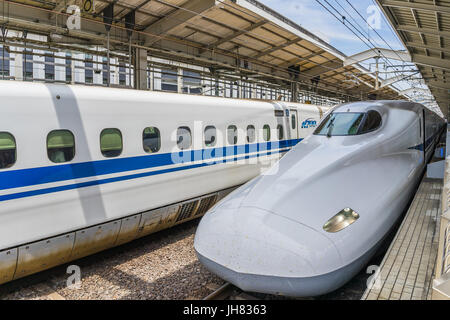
(424, 28)
(241, 37)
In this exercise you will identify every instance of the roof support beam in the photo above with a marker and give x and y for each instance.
(431, 62)
(276, 48)
(323, 68)
(439, 85)
(418, 25)
(415, 90)
(238, 33)
(377, 52)
(422, 46)
(388, 82)
(196, 30)
(179, 16)
(430, 31)
(62, 5)
(415, 5)
(299, 60)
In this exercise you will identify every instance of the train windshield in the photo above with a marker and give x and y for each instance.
(340, 124)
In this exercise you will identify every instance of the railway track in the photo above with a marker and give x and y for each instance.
(228, 292)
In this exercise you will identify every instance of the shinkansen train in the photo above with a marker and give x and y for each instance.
(83, 168)
(309, 224)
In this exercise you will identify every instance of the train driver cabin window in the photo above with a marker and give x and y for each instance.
(184, 138)
(151, 140)
(293, 121)
(7, 150)
(111, 144)
(373, 122)
(210, 136)
(232, 134)
(60, 146)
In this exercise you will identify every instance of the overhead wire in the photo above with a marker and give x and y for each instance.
(350, 26)
(383, 39)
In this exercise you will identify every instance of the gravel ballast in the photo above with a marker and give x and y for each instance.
(159, 266)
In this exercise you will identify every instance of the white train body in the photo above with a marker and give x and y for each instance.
(309, 224)
(51, 212)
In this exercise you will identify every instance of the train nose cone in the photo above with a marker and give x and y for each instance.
(259, 251)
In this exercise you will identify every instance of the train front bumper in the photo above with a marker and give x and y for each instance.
(259, 251)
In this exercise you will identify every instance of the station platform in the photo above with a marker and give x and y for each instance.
(409, 265)
(407, 270)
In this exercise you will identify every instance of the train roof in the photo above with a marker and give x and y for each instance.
(34, 89)
(364, 106)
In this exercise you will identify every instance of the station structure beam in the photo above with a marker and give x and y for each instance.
(431, 62)
(424, 31)
(259, 44)
(415, 6)
(60, 6)
(235, 34)
(411, 44)
(397, 78)
(140, 69)
(318, 70)
(93, 31)
(377, 52)
(187, 11)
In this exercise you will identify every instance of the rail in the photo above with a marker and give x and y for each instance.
(221, 293)
(441, 282)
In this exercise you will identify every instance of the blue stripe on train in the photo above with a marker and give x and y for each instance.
(56, 173)
(427, 143)
(128, 177)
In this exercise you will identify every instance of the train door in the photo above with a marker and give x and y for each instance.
(293, 123)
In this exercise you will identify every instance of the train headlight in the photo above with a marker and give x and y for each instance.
(342, 220)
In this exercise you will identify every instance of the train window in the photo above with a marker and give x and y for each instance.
(232, 134)
(251, 134)
(184, 138)
(280, 132)
(151, 140)
(210, 136)
(340, 124)
(293, 121)
(111, 143)
(266, 132)
(7, 150)
(60, 146)
(373, 122)
(279, 113)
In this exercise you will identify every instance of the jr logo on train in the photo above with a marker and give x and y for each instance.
(309, 123)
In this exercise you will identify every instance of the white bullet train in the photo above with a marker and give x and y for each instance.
(85, 168)
(310, 223)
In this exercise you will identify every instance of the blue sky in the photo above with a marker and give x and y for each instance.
(313, 17)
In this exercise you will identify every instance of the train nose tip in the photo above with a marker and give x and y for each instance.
(260, 251)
